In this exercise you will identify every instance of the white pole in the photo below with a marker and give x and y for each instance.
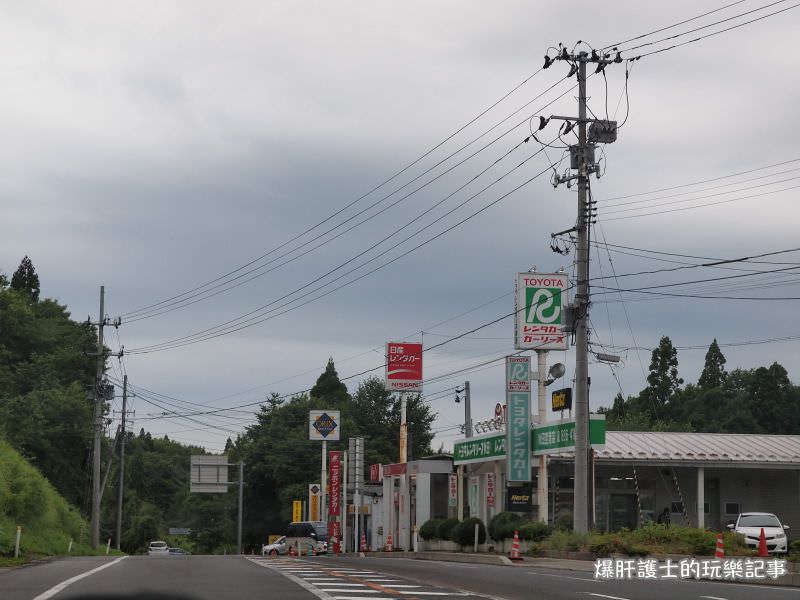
(108, 546)
(541, 488)
(16, 546)
(69, 548)
(324, 479)
(477, 529)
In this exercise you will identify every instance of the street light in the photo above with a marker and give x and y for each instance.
(555, 372)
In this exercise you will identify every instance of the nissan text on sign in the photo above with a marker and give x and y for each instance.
(404, 367)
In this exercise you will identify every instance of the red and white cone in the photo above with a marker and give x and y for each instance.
(762, 544)
(389, 543)
(363, 542)
(515, 547)
(720, 553)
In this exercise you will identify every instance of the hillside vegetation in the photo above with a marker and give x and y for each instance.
(27, 499)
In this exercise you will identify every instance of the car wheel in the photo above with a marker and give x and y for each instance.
(273, 552)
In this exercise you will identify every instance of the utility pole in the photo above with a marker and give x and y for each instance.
(99, 399)
(98, 422)
(582, 159)
(122, 460)
(541, 394)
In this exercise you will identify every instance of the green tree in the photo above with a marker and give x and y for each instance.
(26, 280)
(713, 375)
(663, 382)
(329, 387)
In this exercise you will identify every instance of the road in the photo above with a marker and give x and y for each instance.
(338, 578)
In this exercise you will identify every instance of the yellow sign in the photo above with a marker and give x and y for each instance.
(365, 510)
(562, 399)
(297, 511)
(314, 509)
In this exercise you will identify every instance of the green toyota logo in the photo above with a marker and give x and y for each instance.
(543, 306)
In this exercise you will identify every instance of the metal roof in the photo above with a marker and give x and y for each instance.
(718, 449)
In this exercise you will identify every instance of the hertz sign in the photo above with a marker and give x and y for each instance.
(562, 399)
(519, 499)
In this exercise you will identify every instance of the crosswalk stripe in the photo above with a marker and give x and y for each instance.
(349, 591)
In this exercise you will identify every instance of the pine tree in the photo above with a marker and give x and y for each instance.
(663, 381)
(713, 375)
(25, 279)
(329, 387)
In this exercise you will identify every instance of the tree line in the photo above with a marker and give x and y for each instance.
(47, 372)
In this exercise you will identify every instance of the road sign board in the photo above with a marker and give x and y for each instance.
(404, 367)
(541, 300)
(562, 399)
(209, 474)
(324, 425)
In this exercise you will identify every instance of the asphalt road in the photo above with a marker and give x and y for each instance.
(337, 578)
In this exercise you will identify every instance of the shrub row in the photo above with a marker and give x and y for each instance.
(460, 532)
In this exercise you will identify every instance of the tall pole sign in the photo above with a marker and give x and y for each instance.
(334, 499)
(518, 398)
(540, 311)
(324, 425)
(403, 367)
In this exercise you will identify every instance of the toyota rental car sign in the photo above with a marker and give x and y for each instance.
(541, 311)
(404, 367)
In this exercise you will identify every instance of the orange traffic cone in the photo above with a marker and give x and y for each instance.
(363, 543)
(762, 544)
(515, 547)
(389, 542)
(720, 553)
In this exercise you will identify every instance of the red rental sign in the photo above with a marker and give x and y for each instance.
(335, 494)
(404, 367)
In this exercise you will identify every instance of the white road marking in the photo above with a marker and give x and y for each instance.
(416, 593)
(605, 596)
(713, 598)
(298, 580)
(346, 584)
(349, 591)
(567, 577)
(397, 587)
(64, 584)
(362, 597)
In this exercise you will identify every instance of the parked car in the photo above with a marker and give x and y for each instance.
(303, 534)
(275, 548)
(750, 524)
(178, 552)
(158, 548)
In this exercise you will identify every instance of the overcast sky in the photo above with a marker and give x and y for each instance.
(154, 147)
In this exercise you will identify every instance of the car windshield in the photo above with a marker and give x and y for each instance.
(759, 521)
(322, 531)
(158, 545)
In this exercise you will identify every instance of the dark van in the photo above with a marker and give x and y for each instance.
(304, 534)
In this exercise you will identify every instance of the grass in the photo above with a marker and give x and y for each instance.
(48, 522)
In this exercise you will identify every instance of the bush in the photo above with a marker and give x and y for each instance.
(503, 524)
(533, 530)
(430, 529)
(463, 533)
(445, 528)
(565, 522)
(567, 541)
(794, 551)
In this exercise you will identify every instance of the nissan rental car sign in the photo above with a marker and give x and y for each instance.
(404, 367)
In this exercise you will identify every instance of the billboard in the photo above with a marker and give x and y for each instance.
(541, 300)
(518, 427)
(335, 474)
(404, 367)
(452, 490)
(209, 474)
(314, 498)
(324, 425)
(561, 399)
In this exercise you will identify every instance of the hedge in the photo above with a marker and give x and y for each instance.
(463, 533)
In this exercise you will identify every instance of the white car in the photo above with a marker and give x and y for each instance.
(750, 525)
(158, 548)
(275, 548)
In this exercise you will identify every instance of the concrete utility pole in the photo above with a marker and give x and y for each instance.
(98, 422)
(582, 159)
(581, 491)
(122, 459)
